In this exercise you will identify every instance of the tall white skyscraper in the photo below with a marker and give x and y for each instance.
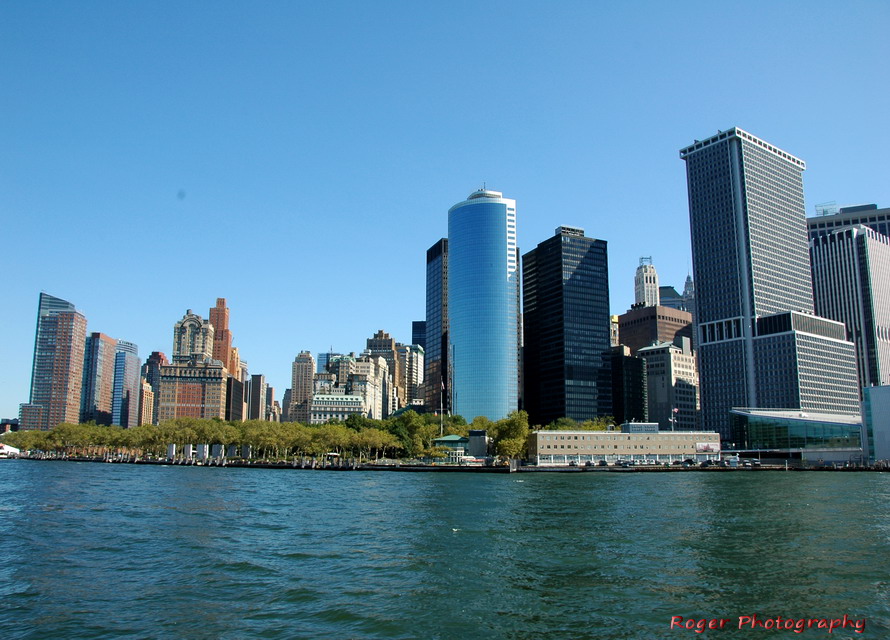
(646, 284)
(483, 305)
(759, 343)
(851, 270)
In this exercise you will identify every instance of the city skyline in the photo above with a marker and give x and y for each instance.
(178, 136)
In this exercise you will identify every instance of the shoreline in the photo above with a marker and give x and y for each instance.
(311, 465)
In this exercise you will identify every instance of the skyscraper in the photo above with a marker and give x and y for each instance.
(194, 385)
(646, 284)
(752, 267)
(435, 374)
(98, 379)
(222, 337)
(851, 272)
(483, 305)
(125, 401)
(644, 326)
(302, 376)
(257, 407)
(57, 372)
(567, 328)
(192, 338)
(384, 345)
(418, 333)
(151, 372)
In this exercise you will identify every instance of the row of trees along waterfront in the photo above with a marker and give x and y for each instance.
(407, 435)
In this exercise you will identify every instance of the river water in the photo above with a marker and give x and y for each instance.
(117, 551)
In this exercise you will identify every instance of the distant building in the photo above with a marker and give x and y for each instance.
(644, 326)
(567, 328)
(436, 384)
(324, 359)
(383, 345)
(146, 403)
(851, 272)
(302, 373)
(646, 284)
(222, 337)
(867, 215)
(614, 340)
(371, 381)
(57, 372)
(418, 333)
(257, 403)
(411, 362)
(285, 406)
(193, 389)
(192, 338)
(235, 400)
(127, 385)
(668, 297)
(194, 385)
(483, 306)
(98, 379)
(629, 387)
(672, 385)
(151, 372)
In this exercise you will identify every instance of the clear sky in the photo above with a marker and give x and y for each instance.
(298, 158)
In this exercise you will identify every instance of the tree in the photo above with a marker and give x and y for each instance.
(512, 435)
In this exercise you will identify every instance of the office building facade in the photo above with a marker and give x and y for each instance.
(98, 379)
(629, 386)
(435, 374)
(567, 328)
(646, 290)
(868, 215)
(418, 333)
(751, 260)
(302, 388)
(644, 326)
(483, 306)
(127, 382)
(57, 371)
(851, 272)
(672, 385)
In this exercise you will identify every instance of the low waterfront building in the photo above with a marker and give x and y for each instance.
(565, 447)
(876, 422)
(801, 437)
(456, 447)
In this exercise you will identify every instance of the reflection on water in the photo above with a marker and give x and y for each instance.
(105, 551)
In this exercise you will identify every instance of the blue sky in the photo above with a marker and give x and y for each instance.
(299, 158)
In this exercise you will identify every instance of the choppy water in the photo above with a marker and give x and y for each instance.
(115, 551)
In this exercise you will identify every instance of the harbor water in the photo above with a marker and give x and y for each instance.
(129, 551)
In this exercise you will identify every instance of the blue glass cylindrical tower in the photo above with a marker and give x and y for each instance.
(483, 306)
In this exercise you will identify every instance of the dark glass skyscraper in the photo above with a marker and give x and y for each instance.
(435, 368)
(566, 325)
